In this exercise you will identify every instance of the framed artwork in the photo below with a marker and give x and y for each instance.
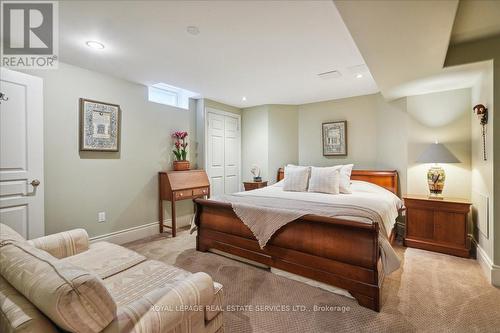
(335, 138)
(99, 126)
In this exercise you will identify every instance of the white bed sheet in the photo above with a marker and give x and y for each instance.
(364, 194)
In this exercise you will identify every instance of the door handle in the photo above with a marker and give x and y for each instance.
(35, 183)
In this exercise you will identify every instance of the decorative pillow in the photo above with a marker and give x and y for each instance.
(324, 180)
(345, 178)
(18, 315)
(74, 299)
(296, 178)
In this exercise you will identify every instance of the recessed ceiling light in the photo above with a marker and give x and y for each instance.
(193, 30)
(359, 76)
(95, 45)
(244, 99)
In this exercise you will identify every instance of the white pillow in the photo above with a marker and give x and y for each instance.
(345, 178)
(296, 178)
(324, 180)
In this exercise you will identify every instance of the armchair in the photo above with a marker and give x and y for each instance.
(61, 281)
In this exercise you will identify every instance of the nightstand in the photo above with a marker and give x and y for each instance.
(254, 185)
(438, 225)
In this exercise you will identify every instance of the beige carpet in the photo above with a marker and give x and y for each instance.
(430, 293)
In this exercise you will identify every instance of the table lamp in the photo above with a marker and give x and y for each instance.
(436, 153)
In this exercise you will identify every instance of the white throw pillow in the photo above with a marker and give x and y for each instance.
(296, 178)
(345, 178)
(324, 180)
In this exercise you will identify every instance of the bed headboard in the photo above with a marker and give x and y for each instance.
(385, 179)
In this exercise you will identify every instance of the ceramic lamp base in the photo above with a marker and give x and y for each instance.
(435, 180)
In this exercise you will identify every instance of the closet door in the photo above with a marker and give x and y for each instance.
(232, 154)
(215, 152)
(223, 152)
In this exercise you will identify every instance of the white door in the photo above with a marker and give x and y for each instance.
(21, 153)
(231, 154)
(223, 152)
(215, 153)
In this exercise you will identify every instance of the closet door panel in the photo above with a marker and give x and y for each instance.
(232, 154)
(215, 153)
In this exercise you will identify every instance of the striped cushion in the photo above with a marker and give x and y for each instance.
(296, 178)
(71, 297)
(176, 307)
(105, 259)
(141, 279)
(324, 180)
(18, 315)
(63, 244)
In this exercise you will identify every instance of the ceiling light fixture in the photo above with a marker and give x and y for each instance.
(193, 30)
(244, 99)
(95, 45)
(359, 76)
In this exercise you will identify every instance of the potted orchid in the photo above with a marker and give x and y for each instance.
(180, 151)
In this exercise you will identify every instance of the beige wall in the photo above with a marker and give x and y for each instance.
(269, 140)
(283, 138)
(361, 115)
(255, 141)
(124, 184)
(376, 133)
(392, 138)
(482, 171)
(221, 106)
(476, 51)
(445, 117)
(381, 135)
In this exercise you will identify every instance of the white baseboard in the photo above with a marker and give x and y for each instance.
(142, 231)
(491, 270)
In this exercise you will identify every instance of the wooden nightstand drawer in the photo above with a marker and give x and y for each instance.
(437, 225)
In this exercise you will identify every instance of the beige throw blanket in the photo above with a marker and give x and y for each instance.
(266, 215)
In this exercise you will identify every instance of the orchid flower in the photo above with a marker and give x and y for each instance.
(180, 144)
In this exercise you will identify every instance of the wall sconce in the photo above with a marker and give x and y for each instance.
(482, 114)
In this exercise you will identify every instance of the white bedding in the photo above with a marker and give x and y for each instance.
(364, 194)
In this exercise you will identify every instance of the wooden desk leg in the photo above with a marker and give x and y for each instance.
(160, 213)
(174, 230)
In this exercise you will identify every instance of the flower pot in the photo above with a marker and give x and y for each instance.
(181, 165)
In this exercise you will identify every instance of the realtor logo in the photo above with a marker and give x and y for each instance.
(29, 34)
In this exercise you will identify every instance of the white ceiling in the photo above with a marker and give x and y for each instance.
(401, 41)
(268, 51)
(475, 20)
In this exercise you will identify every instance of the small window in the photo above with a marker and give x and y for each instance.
(169, 95)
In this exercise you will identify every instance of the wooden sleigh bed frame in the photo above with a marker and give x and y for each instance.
(338, 252)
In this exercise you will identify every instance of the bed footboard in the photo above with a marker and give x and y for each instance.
(334, 251)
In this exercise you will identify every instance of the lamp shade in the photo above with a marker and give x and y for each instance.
(437, 153)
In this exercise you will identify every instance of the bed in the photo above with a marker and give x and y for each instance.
(338, 251)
